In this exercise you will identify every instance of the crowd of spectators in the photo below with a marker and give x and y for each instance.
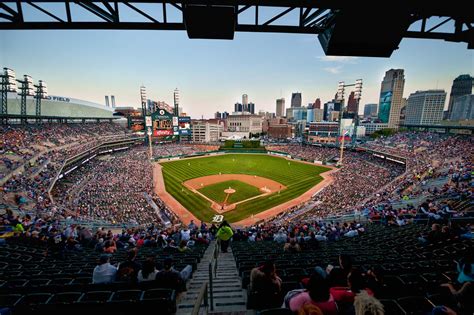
(306, 152)
(368, 184)
(171, 149)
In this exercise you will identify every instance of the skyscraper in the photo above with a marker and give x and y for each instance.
(317, 103)
(245, 102)
(176, 101)
(296, 99)
(107, 101)
(251, 108)
(425, 107)
(112, 98)
(463, 108)
(352, 106)
(370, 110)
(280, 107)
(462, 85)
(391, 93)
(238, 107)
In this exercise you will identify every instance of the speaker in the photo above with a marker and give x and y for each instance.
(362, 32)
(209, 22)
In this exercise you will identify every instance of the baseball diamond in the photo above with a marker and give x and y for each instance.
(260, 182)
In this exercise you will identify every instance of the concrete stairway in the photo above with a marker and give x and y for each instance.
(229, 298)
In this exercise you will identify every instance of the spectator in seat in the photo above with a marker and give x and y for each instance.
(364, 304)
(264, 278)
(170, 278)
(183, 247)
(338, 275)
(265, 286)
(224, 234)
(317, 294)
(110, 247)
(104, 272)
(465, 267)
(280, 237)
(128, 270)
(292, 247)
(463, 297)
(148, 271)
(355, 285)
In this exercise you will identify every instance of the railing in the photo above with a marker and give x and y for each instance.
(213, 272)
(202, 296)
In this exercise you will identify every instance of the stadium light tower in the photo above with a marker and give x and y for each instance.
(340, 98)
(143, 100)
(26, 89)
(8, 80)
(176, 102)
(41, 93)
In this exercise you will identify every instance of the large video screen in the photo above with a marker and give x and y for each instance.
(384, 107)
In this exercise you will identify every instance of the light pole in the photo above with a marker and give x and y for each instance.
(8, 80)
(26, 89)
(340, 98)
(41, 93)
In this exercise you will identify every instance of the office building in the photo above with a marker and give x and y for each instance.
(296, 99)
(238, 108)
(243, 125)
(112, 99)
(462, 108)
(206, 130)
(391, 94)
(280, 107)
(425, 107)
(330, 107)
(352, 104)
(251, 108)
(462, 85)
(317, 103)
(370, 110)
(107, 104)
(245, 102)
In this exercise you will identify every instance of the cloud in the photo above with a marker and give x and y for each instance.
(340, 59)
(334, 70)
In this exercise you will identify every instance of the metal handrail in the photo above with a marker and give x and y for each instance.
(201, 296)
(213, 272)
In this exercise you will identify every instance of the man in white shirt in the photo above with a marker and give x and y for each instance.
(104, 272)
(185, 234)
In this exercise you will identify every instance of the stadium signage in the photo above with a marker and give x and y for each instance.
(160, 133)
(59, 99)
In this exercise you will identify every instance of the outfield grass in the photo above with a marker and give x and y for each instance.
(242, 191)
(297, 177)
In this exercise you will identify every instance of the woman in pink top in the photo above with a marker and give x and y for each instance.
(317, 294)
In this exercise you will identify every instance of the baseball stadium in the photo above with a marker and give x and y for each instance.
(316, 206)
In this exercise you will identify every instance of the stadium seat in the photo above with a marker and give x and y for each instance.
(392, 307)
(162, 299)
(64, 298)
(415, 305)
(95, 297)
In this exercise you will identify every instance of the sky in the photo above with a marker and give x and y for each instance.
(213, 74)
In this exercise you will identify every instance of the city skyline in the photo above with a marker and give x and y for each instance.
(89, 65)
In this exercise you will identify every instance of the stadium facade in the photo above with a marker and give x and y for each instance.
(60, 106)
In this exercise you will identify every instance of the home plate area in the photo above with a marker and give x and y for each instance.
(226, 191)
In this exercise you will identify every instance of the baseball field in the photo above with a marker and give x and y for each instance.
(257, 181)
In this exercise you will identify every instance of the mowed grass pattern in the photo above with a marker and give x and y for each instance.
(297, 177)
(242, 191)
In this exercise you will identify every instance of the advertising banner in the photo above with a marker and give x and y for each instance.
(161, 133)
(385, 104)
(148, 122)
